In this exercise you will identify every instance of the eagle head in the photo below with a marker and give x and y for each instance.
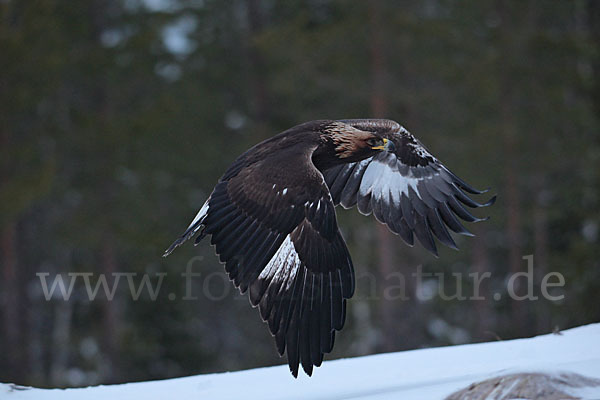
(351, 144)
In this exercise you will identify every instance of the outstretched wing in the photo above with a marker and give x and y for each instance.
(408, 189)
(274, 227)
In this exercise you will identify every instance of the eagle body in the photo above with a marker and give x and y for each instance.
(271, 218)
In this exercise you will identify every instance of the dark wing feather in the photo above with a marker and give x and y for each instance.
(276, 231)
(302, 290)
(408, 189)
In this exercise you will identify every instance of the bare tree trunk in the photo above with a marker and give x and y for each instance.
(513, 223)
(110, 323)
(260, 98)
(540, 236)
(11, 306)
(379, 106)
(379, 103)
(511, 150)
(35, 343)
(61, 340)
(98, 11)
(481, 265)
(539, 187)
(513, 227)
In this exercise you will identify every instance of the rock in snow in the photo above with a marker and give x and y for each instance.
(524, 385)
(533, 367)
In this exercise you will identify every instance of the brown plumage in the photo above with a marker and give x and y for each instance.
(271, 218)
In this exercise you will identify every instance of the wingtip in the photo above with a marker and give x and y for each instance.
(466, 186)
(294, 372)
(168, 251)
(172, 247)
(474, 190)
(453, 247)
(433, 250)
(482, 219)
(490, 201)
(188, 234)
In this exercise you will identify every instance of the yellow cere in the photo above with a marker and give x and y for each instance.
(382, 146)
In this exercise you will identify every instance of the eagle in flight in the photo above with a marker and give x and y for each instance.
(271, 218)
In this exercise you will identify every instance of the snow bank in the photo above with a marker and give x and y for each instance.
(418, 374)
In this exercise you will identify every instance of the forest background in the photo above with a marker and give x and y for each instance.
(117, 117)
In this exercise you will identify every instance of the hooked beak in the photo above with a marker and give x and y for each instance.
(388, 145)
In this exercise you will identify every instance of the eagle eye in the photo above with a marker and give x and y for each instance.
(374, 142)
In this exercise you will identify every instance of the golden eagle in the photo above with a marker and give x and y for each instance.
(272, 220)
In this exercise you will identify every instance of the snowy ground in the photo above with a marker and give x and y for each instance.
(419, 374)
